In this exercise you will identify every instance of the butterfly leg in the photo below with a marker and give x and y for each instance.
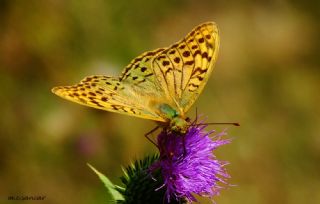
(184, 145)
(196, 115)
(149, 133)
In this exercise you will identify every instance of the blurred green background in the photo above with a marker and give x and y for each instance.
(267, 78)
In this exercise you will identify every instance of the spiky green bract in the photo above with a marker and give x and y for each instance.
(112, 189)
(140, 186)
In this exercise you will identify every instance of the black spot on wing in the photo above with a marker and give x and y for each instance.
(104, 99)
(191, 62)
(172, 52)
(186, 53)
(165, 63)
(143, 69)
(201, 40)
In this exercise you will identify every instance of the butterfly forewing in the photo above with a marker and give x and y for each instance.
(184, 68)
(207, 38)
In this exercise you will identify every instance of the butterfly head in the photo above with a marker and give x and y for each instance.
(179, 125)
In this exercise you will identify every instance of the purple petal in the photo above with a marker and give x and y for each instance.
(188, 165)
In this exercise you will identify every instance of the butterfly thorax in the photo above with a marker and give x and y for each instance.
(176, 121)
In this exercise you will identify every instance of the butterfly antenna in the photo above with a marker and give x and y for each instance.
(234, 124)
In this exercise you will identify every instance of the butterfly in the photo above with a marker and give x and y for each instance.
(159, 85)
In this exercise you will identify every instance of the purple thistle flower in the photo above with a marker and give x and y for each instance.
(188, 165)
